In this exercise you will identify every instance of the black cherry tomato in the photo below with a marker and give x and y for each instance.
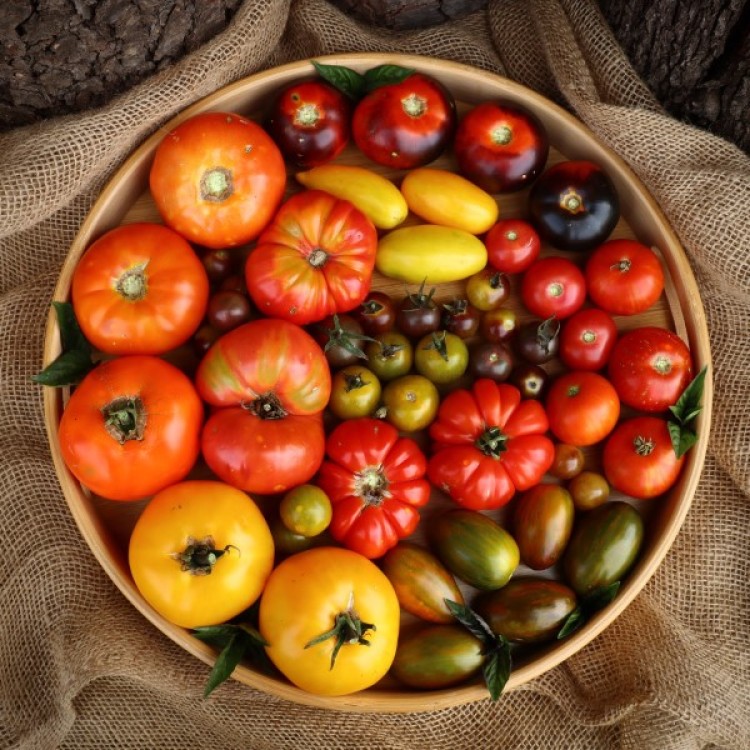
(512, 245)
(309, 120)
(487, 289)
(228, 309)
(501, 146)
(407, 124)
(342, 339)
(377, 314)
(499, 325)
(461, 318)
(530, 379)
(417, 314)
(538, 341)
(574, 205)
(490, 360)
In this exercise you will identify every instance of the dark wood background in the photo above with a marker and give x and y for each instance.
(69, 55)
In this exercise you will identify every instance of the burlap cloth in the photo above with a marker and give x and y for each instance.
(80, 668)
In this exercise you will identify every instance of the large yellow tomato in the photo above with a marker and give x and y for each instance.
(331, 618)
(200, 553)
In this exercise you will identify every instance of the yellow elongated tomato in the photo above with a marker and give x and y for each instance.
(429, 251)
(200, 553)
(442, 197)
(331, 618)
(374, 195)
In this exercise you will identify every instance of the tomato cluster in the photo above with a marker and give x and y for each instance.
(345, 409)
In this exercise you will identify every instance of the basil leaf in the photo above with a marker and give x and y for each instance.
(383, 75)
(496, 669)
(600, 598)
(572, 623)
(71, 335)
(230, 656)
(219, 635)
(683, 439)
(688, 405)
(346, 80)
(472, 622)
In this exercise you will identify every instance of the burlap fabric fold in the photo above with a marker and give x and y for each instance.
(80, 668)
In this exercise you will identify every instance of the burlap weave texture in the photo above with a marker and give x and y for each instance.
(79, 667)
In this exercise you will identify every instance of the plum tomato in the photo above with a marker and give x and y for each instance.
(538, 341)
(390, 355)
(417, 314)
(574, 205)
(441, 356)
(487, 289)
(411, 402)
(502, 147)
(624, 277)
(650, 367)
(490, 359)
(217, 178)
(376, 314)
(553, 286)
(582, 407)
(309, 120)
(355, 392)
(405, 124)
(512, 245)
(461, 317)
(587, 339)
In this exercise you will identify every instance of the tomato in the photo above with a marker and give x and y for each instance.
(553, 286)
(574, 205)
(582, 407)
(587, 339)
(501, 146)
(442, 357)
(441, 197)
(228, 309)
(639, 459)
(490, 359)
(200, 553)
(589, 489)
(417, 314)
(538, 341)
(487, 289)
(139, 289)
(487, 444)
(411, 402)
(272, 382)
(217, 179)
(332, 619)
(219, 264)
(376, 483)
(376, 314)
(569, 461)
(309, 120)
(461, 318)
(316, 258)
(341, 337)
(287, 542)
(131, 428)
(530, 379)
(650, 367)
(390, 356)
(499, 325)
(305, 510)
(624, 277)
(512, 245)
(430, 251)
(405, 125)
(355, 392)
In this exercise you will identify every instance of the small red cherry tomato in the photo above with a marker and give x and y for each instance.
(587, 339)
(639, 459)
(405, 125)
(582, 407)
(650, 367)
(309, 120)
(512, 245)
(624, 277)
(553, 286)
(500, 146)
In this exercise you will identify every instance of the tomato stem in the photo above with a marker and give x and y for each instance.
(572, 202)
(125, 418)
(266, 406)
(200, 556)
(216, 185)
(371, 485)
(492, 442)
(132, 284)
(414, 105)
(348, 629)
(502, 135)
(306, 115)
(643, 446)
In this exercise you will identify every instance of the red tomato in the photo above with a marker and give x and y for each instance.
(639, 460)
(131, 428)
(500, 146)
(582, 407)
(217, 179)
(553, 286)
(488, 443)
(315, 259)
(405, 125)
(375, 480)
(650, 367)
(624, 277)
(587, 339)
(139, 289)
(512, 245)
(309, 120)
(272, 382)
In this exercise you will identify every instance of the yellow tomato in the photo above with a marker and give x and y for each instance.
(429, 251)
(374, 195)
(189, 529)
(307, 596)
(411, 402)
(355, 392)
(442, 197)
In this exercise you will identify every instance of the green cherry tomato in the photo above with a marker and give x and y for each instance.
(442, 357)
(411, 402)
(305, 510)
(355, 392)
(390, 355)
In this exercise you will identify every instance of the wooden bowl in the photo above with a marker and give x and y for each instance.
(106, 525)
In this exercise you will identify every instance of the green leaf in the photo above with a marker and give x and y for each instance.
(497, 668)
(600, 598)
(472, 622)
(383, 75)
(683, 438)
(346, 80)
(688, 405)
(71, 335)
(573, 622)
(230, 656)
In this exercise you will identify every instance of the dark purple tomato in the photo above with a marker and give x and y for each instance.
(574, 205)
(530, 379)
(499, 325)
(538, 341)
(501, 146)
(342, 339)
(219, 264)
(490, 360)
(227, 310)
(461, 317)
(377, 314)
(204, 338)
(417, 314)
(234, 283)
(309, 121)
